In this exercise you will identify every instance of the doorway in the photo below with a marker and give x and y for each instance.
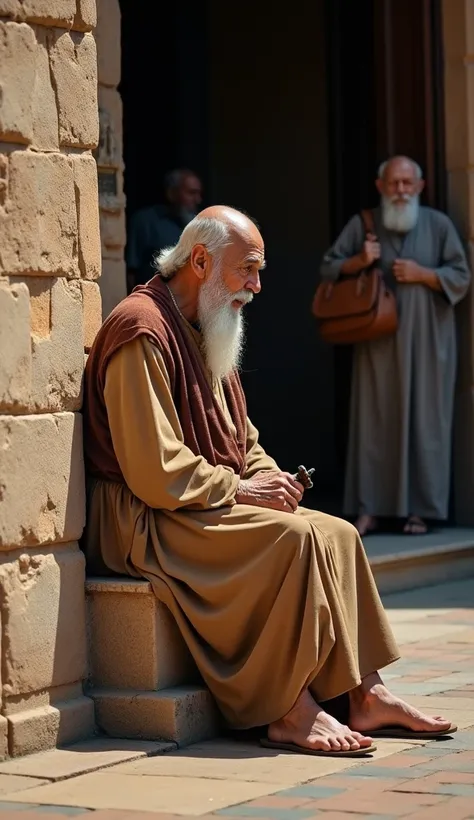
(285, 116)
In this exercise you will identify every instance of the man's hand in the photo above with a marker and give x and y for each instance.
(370, 251)
(407, 271)
(271, 489)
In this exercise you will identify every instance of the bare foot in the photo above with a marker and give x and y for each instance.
(415, 526)
(365, 524)
(307, 725)
(373, 707)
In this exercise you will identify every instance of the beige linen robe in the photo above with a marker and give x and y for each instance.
(402, 394)
(267, 602)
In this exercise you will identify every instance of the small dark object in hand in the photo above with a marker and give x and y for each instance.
(304, 476)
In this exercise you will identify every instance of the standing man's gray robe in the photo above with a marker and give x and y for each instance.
(403, 386)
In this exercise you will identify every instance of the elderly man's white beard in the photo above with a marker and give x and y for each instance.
(397, 217)
(222, 325)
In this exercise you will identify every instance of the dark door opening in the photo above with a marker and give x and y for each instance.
(286, 119)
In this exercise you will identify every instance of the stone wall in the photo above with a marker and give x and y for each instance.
(50, 259)
(458, 22)
(109, 155)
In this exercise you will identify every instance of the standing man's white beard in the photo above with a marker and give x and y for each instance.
(400, 218)
(222, 325)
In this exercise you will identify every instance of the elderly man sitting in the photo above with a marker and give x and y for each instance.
(276, 603)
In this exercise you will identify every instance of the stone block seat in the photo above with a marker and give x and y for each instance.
(141, 676)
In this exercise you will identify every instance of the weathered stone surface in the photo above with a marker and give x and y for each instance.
(41, 479)
(15, 346)
(38, 224)
(92, 312)
(107, 36)
(154, 656)
(112, 284)
(109, 152)
(3, 738)
(85, 181)
(113, 235)
(74, 65)
(17, 75)
(50, 726)
(48, 12)
(45, 113)
(85, 756)
(184, 714)
(46, 368)
(86, 16)
(43, 618)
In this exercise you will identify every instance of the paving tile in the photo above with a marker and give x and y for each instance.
(311, 790)
(456, 808)
(67, 811)
(227, 760)
(453, 761)
(395, 803)
(110, 790)
(89, 755)
(5, 805)
(399, 773)
(279, 801)
(275, 814)
(10, 783)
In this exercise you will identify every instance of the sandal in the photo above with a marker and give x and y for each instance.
(415, 526)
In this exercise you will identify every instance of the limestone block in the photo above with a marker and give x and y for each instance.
(41, 479)
(42, 371)
(110, 149)
(112, 283)
(45, 112)
(50, 726)
(108, 35)
(57, 353)
(92, 312)
(15, 347)
(74, 65)
(183, 714)
(43, 617)
(112, 231)
(86, 16)
(38, 224)
(17, 74)
(47, 12)
(85, 181)
(133, 639)
(3, 738)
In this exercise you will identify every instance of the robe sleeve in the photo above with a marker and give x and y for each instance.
(148, 440)
(256, 458)
(453, 271)
(349, 243)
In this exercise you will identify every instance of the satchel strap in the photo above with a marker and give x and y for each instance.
(368, 221)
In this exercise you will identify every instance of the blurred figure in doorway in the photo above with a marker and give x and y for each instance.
(159, 226)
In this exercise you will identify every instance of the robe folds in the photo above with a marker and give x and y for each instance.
(268, 602)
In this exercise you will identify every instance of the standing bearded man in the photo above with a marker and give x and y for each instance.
(399, 452)
(276, 603)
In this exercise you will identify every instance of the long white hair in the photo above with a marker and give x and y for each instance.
(207, 231)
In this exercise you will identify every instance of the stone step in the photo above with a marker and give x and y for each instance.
(134, 642)
(427, 564)
(182, 714)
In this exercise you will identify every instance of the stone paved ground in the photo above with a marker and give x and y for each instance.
(225, 779)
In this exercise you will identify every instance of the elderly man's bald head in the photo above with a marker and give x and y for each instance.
(214, 229)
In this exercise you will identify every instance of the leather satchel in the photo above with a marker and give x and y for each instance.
(357, 307)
